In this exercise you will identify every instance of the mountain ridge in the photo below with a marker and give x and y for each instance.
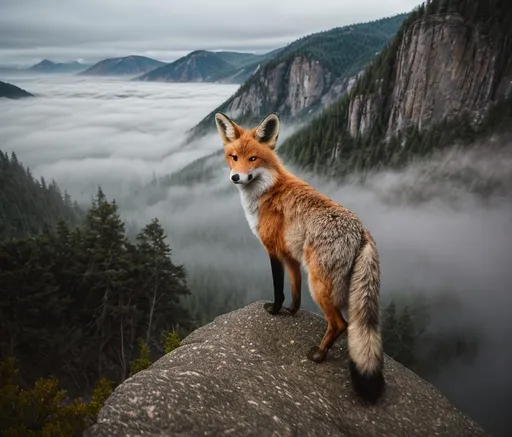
(197, 66)
(307, 75)
(207, 66)
(47, 66)
(11, 91)
(122, 66)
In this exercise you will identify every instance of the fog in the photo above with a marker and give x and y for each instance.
(441, 226)
(111, 132)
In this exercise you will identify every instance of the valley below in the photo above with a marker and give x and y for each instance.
(440, 239)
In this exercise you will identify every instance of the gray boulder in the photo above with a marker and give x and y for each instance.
(246, 374)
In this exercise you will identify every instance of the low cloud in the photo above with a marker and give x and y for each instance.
(85, 132)
(441, 226)
(436, 237)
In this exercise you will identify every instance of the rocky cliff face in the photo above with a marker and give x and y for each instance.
(306, 76)
(245, 374)
(362, 113)
(445, 79)
(444, 68)
(290, 88)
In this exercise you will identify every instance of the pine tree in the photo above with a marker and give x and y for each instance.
(407, 334)
(162, 283)
(108, 282)
(390, 335)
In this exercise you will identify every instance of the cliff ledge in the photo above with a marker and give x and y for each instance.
(246, 374)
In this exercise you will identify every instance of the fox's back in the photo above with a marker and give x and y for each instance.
(312, 221)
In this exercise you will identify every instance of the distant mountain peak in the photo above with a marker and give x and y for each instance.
(123, 66)
(44, 63)
(205, 66)
(47, 66)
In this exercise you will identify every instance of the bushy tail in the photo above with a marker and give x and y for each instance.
(364, 334)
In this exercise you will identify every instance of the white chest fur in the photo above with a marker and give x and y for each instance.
(251, 197)
(251, 204)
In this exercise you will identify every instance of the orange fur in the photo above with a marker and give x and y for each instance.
(297, 225)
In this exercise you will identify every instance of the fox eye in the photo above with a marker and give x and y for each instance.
(253, 158)
(235, 158)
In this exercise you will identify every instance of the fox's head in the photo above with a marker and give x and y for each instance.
(249, 153)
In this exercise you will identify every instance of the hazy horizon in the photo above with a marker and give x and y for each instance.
(70, 31)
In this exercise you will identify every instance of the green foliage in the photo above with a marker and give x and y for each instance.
(82, 297)
(412, 336)
(343, 50)
(326, 146)
(28, 205)
(171, 341)
(99, 395)
(44, 410)
(142, 361)
(200, 170)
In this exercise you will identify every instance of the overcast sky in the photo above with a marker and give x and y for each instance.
(31, 30)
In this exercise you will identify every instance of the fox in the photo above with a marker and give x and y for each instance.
(301, 228)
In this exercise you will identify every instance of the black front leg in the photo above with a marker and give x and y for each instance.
(278, 280)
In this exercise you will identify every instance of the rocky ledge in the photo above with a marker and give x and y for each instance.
(245, 374)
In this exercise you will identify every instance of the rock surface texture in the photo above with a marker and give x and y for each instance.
(443, 68)
(246, 374)
(288, 88)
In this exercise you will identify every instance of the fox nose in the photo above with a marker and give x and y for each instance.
(235, 177)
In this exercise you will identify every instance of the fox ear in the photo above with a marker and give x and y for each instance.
(229, 131)
(267, 131)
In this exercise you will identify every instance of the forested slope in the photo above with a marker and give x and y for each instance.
(445, 78)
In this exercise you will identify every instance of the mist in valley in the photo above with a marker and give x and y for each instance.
(435, 239)
(111, 132)
(443, 227)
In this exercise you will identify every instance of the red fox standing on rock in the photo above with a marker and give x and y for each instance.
(297, 225)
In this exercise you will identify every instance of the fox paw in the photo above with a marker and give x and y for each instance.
(272, 307)
(316, 354)
(292, 310)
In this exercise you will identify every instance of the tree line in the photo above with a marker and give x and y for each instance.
(80, 305)
(28, 204)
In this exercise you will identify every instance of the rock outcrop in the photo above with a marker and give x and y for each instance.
(246, 374)
(445, 79)
(444, 68)
(288, 88)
